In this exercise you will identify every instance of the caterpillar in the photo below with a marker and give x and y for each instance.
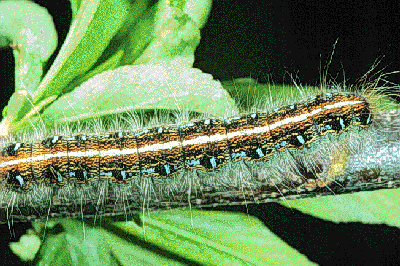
(257, 157)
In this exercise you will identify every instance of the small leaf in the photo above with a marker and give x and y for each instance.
(34, 38)
(167, 33)
(27, 247)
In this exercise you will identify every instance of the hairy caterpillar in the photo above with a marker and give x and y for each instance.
(260, 156)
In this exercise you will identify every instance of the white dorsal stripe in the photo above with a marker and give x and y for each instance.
(173, 144)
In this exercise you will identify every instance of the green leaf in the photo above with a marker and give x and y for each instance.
(29, 26)
(31, 30)
(111, 63)
(208, 238)
(141, 87)
(167, 32)
(95, 24)
(215, 238)
(82, 244)
(381, 206)
(136, 10)
(93, 30)
(77, 245)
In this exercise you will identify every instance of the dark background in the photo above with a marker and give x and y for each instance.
(268, 41)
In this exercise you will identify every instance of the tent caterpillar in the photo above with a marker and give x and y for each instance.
(260, 156)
